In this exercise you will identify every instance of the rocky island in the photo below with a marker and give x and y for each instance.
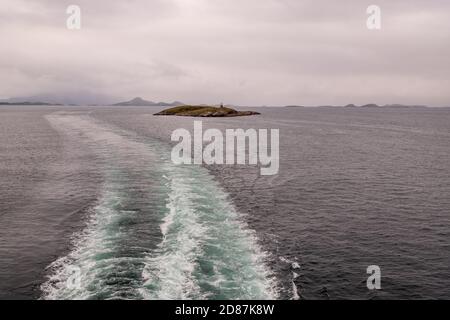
(204, 111)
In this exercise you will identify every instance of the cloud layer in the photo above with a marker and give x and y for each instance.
(248, 52)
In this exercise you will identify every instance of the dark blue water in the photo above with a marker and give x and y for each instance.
(94, 188)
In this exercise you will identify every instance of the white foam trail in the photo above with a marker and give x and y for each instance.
(202, 229)
(93, 248)
(94, 241)
(207, 250)
(169, 270)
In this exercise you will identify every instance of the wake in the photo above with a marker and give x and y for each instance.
(202, 249)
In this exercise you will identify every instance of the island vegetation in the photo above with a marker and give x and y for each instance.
(204, 111)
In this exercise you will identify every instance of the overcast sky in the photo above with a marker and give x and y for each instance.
(245, 52)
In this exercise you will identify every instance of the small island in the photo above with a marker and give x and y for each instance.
(204, 111)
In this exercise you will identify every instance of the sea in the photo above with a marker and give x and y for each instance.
(92, 207)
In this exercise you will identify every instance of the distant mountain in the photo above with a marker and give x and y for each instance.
(370, 105)
(68, 98)
(144, 103)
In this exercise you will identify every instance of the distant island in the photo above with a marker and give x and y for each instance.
(210, 111)
(373, 105)
(28, 103)
(139, 102)
(204, 111)
(369, 105)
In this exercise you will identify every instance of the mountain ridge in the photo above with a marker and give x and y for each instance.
(138, 101)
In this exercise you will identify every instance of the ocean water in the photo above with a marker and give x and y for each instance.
(92, 189)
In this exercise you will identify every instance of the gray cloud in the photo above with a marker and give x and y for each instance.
(244, 52)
